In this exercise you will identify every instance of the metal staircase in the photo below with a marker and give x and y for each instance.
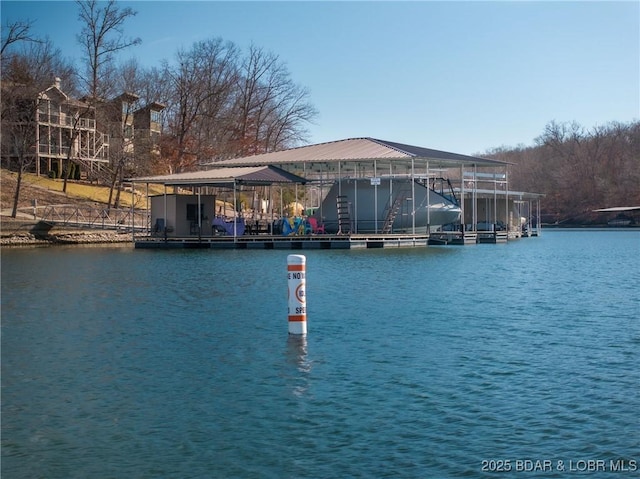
(392, 210)
(92, 156)
(95, 171)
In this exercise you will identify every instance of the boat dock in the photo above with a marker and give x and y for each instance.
(477, 237)
(326, 241)
(353, 241)
(358, 193)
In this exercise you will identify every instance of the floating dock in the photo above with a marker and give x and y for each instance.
(353, 241)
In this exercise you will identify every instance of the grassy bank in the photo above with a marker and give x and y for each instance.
(48, 191)
(26, 230)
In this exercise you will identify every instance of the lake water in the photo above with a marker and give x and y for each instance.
(432, 362)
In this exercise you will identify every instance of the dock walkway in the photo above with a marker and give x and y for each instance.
(323, 241)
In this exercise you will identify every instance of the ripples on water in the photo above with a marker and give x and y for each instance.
(418, 363)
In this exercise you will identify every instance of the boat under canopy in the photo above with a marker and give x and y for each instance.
(362, 206)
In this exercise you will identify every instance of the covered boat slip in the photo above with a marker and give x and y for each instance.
(188, 212)
(355, 193)
(492, 213)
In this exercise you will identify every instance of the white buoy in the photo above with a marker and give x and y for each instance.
(297, 294)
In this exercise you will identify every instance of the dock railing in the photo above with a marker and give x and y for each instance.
(122, 219)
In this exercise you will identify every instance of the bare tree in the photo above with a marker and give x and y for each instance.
(17, 32)
(223, 105)
(201, 84)
(285, 122)
(271, 108)
(19, 137)
(25, 74)
(102, 37)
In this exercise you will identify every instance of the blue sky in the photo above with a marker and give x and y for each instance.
(456, 76)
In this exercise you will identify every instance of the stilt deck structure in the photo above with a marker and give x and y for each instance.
(203, 210)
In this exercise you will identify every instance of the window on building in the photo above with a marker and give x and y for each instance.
(43, 107)
(155, 116)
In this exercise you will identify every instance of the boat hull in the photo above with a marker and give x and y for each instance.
(368, 208)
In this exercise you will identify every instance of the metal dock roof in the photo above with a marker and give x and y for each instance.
(256, 175)
(359, 149)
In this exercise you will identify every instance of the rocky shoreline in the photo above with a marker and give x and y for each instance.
(29, 239)
(28, 233)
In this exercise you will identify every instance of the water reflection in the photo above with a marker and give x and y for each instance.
(297, 357)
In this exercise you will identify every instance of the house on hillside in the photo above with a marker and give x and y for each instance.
(96, 136)
(62, 124)
(147, 122)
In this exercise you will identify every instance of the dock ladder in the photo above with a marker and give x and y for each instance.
(344, 218)
(392, 210)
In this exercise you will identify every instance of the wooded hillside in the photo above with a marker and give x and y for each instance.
(578, 170)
